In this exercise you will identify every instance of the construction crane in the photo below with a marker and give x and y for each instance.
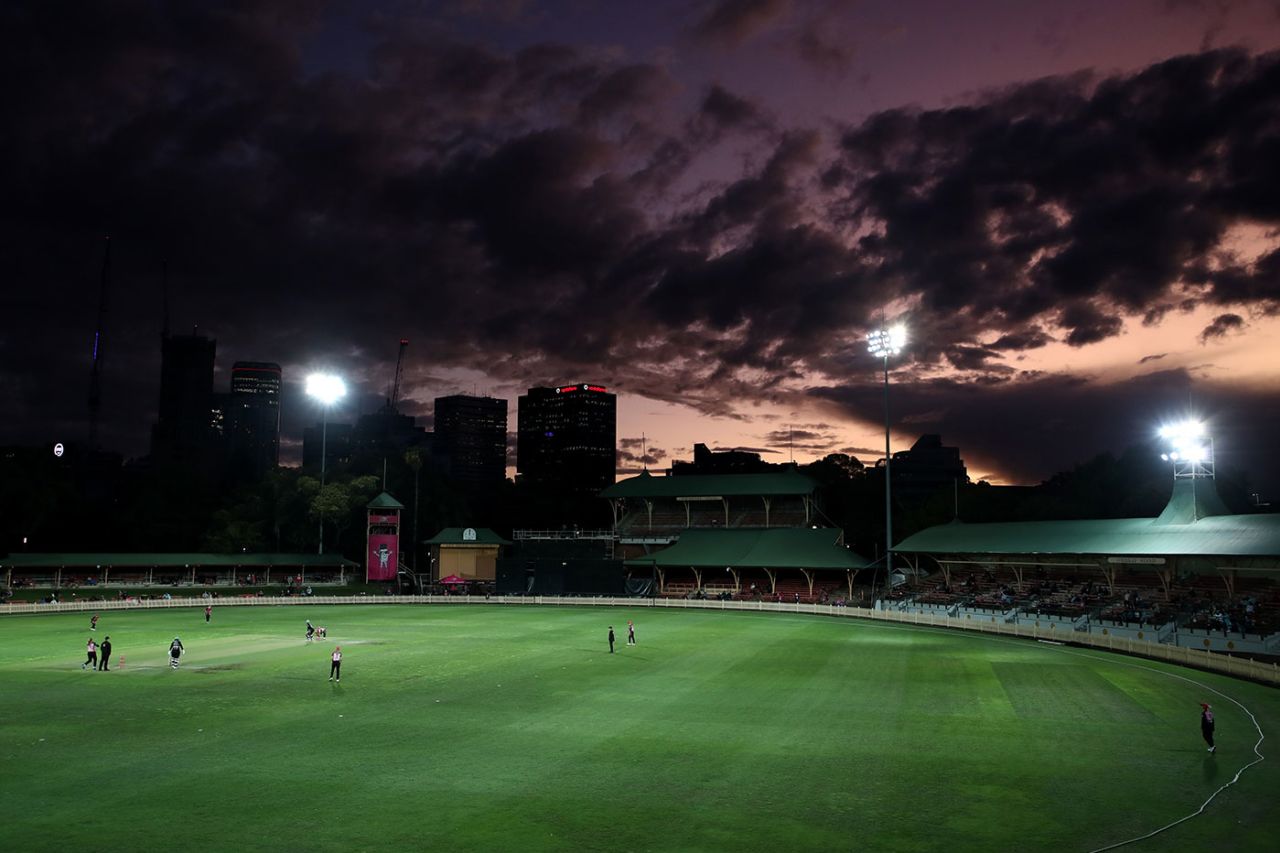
(395, 387)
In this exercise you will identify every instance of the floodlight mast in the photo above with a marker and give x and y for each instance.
(1192, 458)
(883, 343)
(326, 389)
(1190, 450)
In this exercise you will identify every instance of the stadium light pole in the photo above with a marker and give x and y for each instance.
(326, 389)
(884, 343)
(1191, 456)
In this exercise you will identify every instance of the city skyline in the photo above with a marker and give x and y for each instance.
(702, 207)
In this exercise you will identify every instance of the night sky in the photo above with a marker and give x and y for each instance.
(705, 206)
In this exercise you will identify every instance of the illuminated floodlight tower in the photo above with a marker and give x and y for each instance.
(884, 343)
(326, 389)
(1190, 450)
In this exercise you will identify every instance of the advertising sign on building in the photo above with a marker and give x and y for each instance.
(383, 556)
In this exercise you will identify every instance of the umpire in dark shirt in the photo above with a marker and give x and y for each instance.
(610, 639)
(104, 654)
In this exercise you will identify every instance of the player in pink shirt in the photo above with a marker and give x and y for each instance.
(1206, 725)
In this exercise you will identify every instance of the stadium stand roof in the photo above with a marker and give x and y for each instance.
(645, 485)
(772, 548)
(1193, 523)
(455, 536)
(169, 561)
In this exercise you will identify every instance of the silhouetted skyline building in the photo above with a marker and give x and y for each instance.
(337, 440)
(707, 461)
(927, 467)
(471, 433)
(567, 437)
(387, 431)
(182, 434)
(251, 419)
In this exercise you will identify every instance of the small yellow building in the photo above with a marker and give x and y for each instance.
(469, 553)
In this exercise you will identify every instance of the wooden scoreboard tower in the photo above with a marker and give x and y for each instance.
(382, 542)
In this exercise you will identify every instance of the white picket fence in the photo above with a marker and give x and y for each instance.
(1200, 658)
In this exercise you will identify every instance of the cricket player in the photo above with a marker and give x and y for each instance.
(335, 667)
(92, 661)
(175, 652)
(1206, 725)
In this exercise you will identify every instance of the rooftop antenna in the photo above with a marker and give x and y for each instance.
(644, 452)
(95, 375)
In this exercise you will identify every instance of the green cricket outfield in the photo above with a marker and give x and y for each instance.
(501, 728)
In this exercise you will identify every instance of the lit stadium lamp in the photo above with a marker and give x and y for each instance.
(326, 389)
(1190, 449)
(883, 343)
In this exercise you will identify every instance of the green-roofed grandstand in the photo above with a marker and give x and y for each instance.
(745, 536)
(654, 510)
(1195, 575)
(145, 569)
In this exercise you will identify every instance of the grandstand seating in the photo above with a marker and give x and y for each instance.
(1138, 599)
(670, 516)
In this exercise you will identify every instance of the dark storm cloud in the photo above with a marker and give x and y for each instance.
(1026, 339)
(731, 22)
(541, 213)
(638, 452)
(975, 358)
(817, 442)
(625, 90)
(1041, 426)
(1221, 326)
(1102, 196)
(820, 49)
(722, 111)
(811, 31)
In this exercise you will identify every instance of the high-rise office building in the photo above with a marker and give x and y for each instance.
(182, 434)
(336, 439)
(382, 434)
(471, 433)
(567, 437)
(927, 467)
(251, 419)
